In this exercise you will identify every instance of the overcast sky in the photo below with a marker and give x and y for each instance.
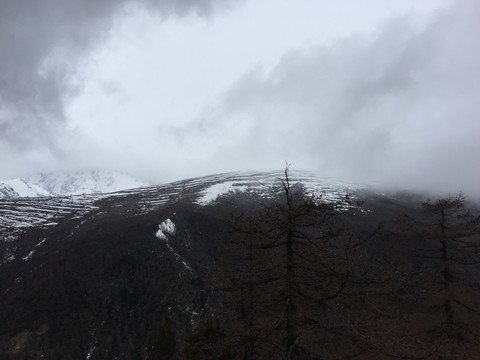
(375, 90)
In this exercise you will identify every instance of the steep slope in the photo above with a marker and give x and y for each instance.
(15, 188)
(7, 192)
(101, 282)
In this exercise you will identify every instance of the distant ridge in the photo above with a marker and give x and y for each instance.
(85, 182)
(18, 188)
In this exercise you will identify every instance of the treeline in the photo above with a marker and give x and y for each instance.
(294, 277)
(302, 279)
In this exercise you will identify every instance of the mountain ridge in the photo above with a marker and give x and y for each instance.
(85, 182)
(68, 184)
(203, 191)
(18, 188)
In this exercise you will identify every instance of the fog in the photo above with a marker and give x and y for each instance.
(385, 93)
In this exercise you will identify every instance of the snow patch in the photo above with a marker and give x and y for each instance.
(327, 190)
(40, 243)
(43, 212)
(90, 352)
(10, 256)
(165, 229)
(210, 194)
(29, 256)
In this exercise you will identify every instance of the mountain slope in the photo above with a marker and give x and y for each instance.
(95, 276)
(207, 190)
(79, 270)
(16, 188)
(90, 182)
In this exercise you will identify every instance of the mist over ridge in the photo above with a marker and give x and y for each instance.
(166, 91)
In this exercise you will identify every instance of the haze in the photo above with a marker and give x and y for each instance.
(384, 92)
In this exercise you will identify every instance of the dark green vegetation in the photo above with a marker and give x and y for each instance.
(247, 277)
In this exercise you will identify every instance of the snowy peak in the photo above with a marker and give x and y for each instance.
(7, 192)
(91, 182)
(16, 188)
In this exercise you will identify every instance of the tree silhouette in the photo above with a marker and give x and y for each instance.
(449, 235)
(163, 345)
(207, 341)
(284, 288)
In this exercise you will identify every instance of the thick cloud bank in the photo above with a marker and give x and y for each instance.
(43, 42)
(400, 108)
(397, 106)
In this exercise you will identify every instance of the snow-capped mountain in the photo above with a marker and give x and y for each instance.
(90, 182)
(16, 188)
(86, 190)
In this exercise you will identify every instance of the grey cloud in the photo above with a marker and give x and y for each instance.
(401, 108)
(41, 43)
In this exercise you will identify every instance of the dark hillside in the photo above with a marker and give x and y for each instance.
(106, 282)
(124, 274)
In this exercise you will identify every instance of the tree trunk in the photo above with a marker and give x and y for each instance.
(290, 331)
(447, 304)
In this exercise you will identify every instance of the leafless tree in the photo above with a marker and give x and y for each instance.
(294, 262)
(448, 239)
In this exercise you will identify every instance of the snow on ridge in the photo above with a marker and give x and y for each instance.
(210, 194)
(7, 192)
(327, 189)
(43, 212)
(87, 182)
(14, 188)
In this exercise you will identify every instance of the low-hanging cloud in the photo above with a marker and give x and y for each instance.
(401, 108)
